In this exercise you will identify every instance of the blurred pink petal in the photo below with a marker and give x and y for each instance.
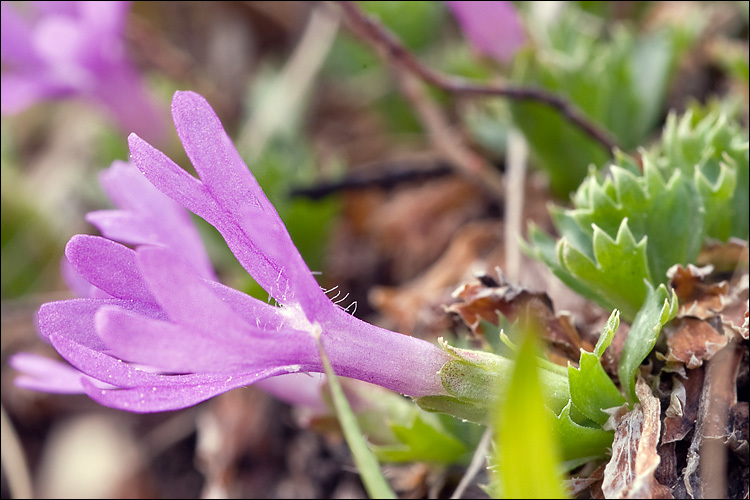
(492, 27)
(53, 50)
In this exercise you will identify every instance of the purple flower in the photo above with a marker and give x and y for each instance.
(492, 27)
(64, 49)
(157, 332)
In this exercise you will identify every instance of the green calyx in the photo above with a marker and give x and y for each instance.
(474, 380)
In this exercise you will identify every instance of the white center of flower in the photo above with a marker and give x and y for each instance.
(294, 317)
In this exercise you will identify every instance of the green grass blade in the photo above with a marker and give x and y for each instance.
(369, 468)
(527, 459)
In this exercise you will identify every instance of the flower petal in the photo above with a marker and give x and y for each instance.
(255, 312)
(493, 27)
(147, 216)
(181, 392)
(78, 284)
(302, 390)
(179, 349)
(15, 38)
(141, 391)
(171, 179)
(123, 92)
(109, 266)
(109, 17)
(39, 373)
(103, 367)
(74, 319)
(22, 91)
(184, 296)
(230, 199)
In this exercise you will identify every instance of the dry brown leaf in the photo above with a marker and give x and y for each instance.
(415, 226)
(578, 485)
(630, 472)
(738, 427)
(416, 307)
(668, 472)
(724, 257)
(683, 406)
(692, 340)
(481, 300)
(697, 298)
(735, 314)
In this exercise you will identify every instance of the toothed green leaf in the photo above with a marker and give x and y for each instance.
(718, 197)
(637, 222)
(712, 149)
(658, 308)
(544, 248)
(654, 208)
(675, 227)
(608, 334)
(620, 85)
(616, 275)
(591, 389)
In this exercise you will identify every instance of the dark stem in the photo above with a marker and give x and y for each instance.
(386, 180)
(375, 34)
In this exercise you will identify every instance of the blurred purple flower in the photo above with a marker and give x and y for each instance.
(158, 332)
(492, 27)
(68, 49)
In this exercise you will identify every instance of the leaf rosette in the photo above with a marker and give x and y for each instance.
(628, 227)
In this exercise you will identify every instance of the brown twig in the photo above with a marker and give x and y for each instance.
(375, 34)
(448, 140)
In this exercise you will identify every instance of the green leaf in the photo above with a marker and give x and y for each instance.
(654, 207)
(657, 310)
(711, 148)
(524, 428)
(718, 199)
(617, 275)
(423, 440)
(463, 409)
(579, 443)
(692, 185)
(543, 247)
(591, 389)
(675, 225)
(618, 80)
(608, 334)
(369, 469)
